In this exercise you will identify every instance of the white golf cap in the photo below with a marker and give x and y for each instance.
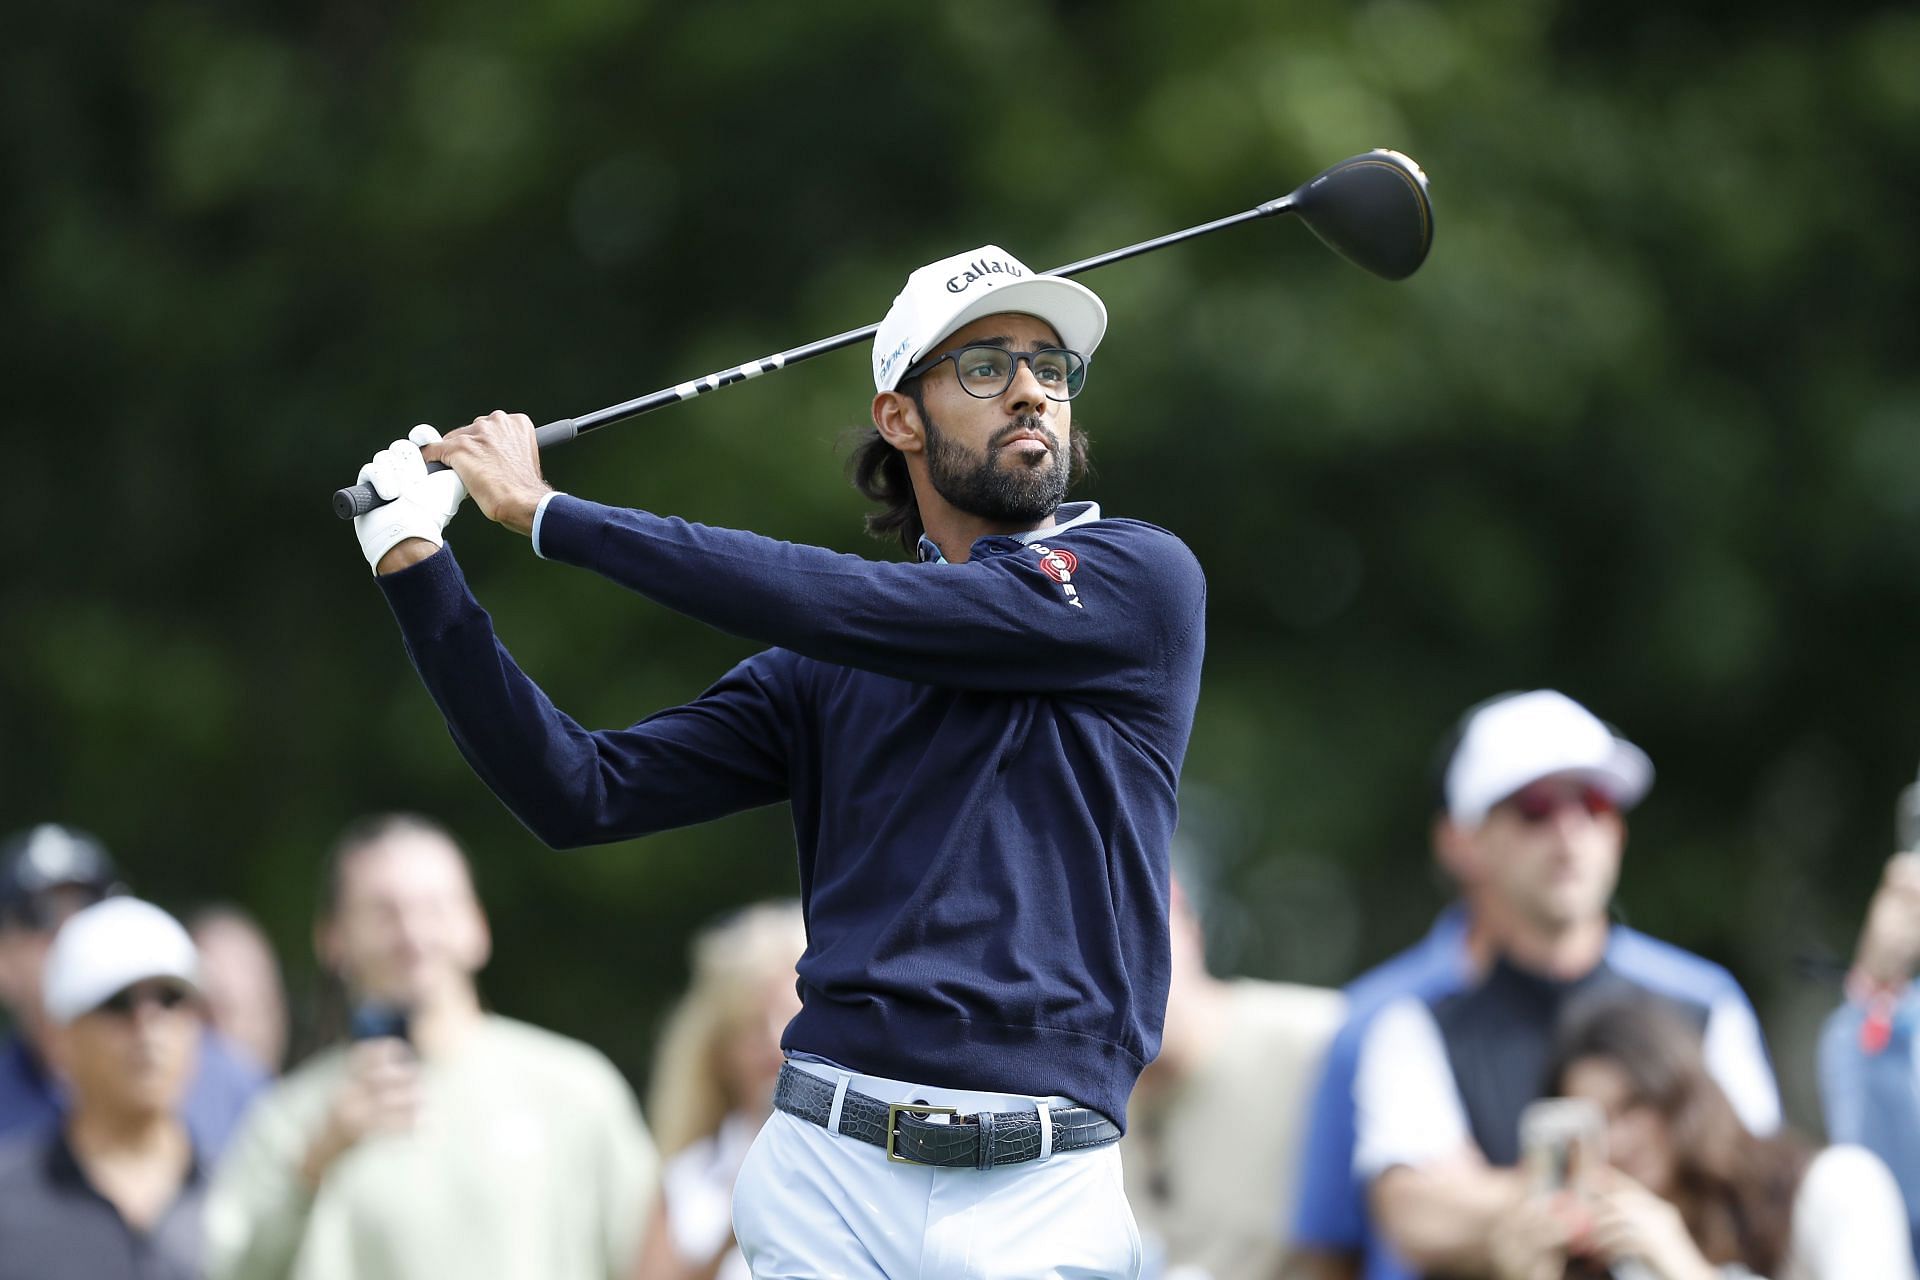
(1520, 739)
(108, 947)
(942, 296)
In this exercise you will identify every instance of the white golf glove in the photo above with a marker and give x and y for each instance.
(418, 505)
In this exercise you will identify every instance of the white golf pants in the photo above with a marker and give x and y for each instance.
(811, 1204)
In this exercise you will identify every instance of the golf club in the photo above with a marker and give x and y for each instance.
(1372, 209)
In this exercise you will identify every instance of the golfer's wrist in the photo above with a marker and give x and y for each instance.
(517, 512)
(404, 555)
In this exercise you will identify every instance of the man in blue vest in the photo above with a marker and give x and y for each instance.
(1415, 1128)
(980, 750)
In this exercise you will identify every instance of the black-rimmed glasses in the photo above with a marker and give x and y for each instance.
(986, 372)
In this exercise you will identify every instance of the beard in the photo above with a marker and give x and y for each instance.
(1018, 492)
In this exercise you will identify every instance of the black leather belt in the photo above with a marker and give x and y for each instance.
(980, 1141)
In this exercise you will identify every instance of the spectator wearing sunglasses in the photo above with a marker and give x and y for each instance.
(49, 872)
(117, 1189)
(1415, 1129)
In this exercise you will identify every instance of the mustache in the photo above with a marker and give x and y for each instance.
(1024, 425)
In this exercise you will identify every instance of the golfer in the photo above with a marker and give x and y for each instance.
(980, 750)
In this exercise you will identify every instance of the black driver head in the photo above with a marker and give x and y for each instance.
(1373, 210)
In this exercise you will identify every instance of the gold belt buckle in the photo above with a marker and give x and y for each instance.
(893, 1119)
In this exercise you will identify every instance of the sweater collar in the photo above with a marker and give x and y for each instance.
(1069, 515)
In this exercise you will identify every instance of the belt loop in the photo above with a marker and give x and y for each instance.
(839, 1100)
(1046, 1131)
(983, 1158)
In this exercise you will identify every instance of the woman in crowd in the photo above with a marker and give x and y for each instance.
(1689, 1194)
(713, 1085)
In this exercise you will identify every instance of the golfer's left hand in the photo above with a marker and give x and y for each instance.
(498, 460)
(417, 507)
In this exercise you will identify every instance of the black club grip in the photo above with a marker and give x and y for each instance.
(358, 499)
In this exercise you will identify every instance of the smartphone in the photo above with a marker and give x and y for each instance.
(374, 1021)
(1562, 1141)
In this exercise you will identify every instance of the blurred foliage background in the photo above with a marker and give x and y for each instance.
(1646, 428)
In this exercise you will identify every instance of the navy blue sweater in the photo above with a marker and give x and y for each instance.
(981, 760)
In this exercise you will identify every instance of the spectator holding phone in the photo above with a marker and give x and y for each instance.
(446, 1141)
(1690, 1193)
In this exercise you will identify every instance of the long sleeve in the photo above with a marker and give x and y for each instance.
(1101, 608)
(722, 752)
(257, 1210)
(1872, 1097)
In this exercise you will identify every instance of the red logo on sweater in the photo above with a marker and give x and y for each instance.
(1059, 564)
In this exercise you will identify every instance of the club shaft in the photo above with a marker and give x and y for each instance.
(1266, 210)
(359, 499)
(767, 364)
(720, 378)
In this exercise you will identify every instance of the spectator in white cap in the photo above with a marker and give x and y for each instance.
(48, 872)
(117, 1189)
(1415, 1135)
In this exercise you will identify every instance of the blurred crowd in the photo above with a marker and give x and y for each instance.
(1529, 1092)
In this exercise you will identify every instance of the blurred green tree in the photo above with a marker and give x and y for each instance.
(1644, 428)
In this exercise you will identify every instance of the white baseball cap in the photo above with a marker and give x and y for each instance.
(108, 947)
(942, 296)
(1513, 741)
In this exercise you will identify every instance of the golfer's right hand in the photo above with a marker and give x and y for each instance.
(418, 505)
(380, 1094)
(498, 456)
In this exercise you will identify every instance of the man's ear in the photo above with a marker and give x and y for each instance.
(897, 418)
(1454, 850)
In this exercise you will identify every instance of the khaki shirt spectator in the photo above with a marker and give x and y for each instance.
(529, 1161)
(1210, 1159)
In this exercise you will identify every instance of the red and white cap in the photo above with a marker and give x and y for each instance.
(945, 295)
(1514, 741)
